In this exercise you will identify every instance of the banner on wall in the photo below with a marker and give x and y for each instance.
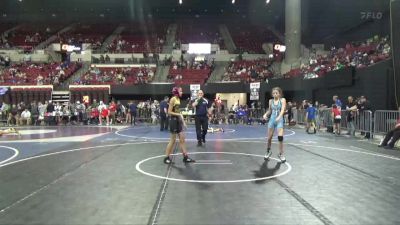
(194, 89)
(255, 91)
(85, 99)
(3, 90)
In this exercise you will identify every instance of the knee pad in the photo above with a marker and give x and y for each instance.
(280, 138)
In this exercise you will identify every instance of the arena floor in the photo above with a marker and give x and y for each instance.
(115, 175)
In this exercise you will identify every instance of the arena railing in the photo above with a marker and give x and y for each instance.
(363, 121)
(385, 120)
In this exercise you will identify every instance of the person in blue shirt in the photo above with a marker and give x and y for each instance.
(241, 114)
(163, 114)
(132, 111)
(202, 106)
(337, 102)
(310, 115)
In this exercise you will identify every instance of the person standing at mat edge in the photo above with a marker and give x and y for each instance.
(176, 125)
(202, 106)
(163, 114)
(275, 113)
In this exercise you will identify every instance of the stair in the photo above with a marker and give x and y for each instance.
(80, 72)
(161, 74)
(218, 72)
(60, 96)
(54, 37)
(111, 38)
(53, 56)
(276, 33)
(7, 32)
(226, 35)
(168, 46)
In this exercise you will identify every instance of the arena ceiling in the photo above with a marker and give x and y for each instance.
(188, 7)
(322, 16)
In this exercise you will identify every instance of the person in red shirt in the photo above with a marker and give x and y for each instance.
(104, 113)
(337, 118)
(113, 110)
(94, 115)
(391, 137)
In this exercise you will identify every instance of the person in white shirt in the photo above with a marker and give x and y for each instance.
(103, 113)
(25, 116)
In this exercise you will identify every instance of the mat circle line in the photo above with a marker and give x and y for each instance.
(289, 168)
(16, 153)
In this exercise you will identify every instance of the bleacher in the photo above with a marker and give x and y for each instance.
(248, 71)
(250, 39)
(27, 36)
(195, 32)
(28, 73)
(189, 75)
(94, 34)
(117, 76)
(137, 38)
(357, 54)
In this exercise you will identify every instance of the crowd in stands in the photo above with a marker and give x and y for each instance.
(248, 71)
(126, 44)
(355, 54)
(27, 73)
(117, 76)
(94, 34)
(138, 38)
(28, 36)
(191, 71)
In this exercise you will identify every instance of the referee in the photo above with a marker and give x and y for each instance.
(201, 119)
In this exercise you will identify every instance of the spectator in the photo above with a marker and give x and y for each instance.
(364, 106)
(155, 111)
(391, 137)
(34, 112)
(104, 113)
(94, 116)
(337, 102)
(311, 115)
(133, 111)
(113, 110)
(121, 111)
(25, 117)
(163, 114)
(336, 115)
(80, 109)
(95, 104)
(58, 112)
(50, 108)
(5, 108)
(351, 114)
(13, 116)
